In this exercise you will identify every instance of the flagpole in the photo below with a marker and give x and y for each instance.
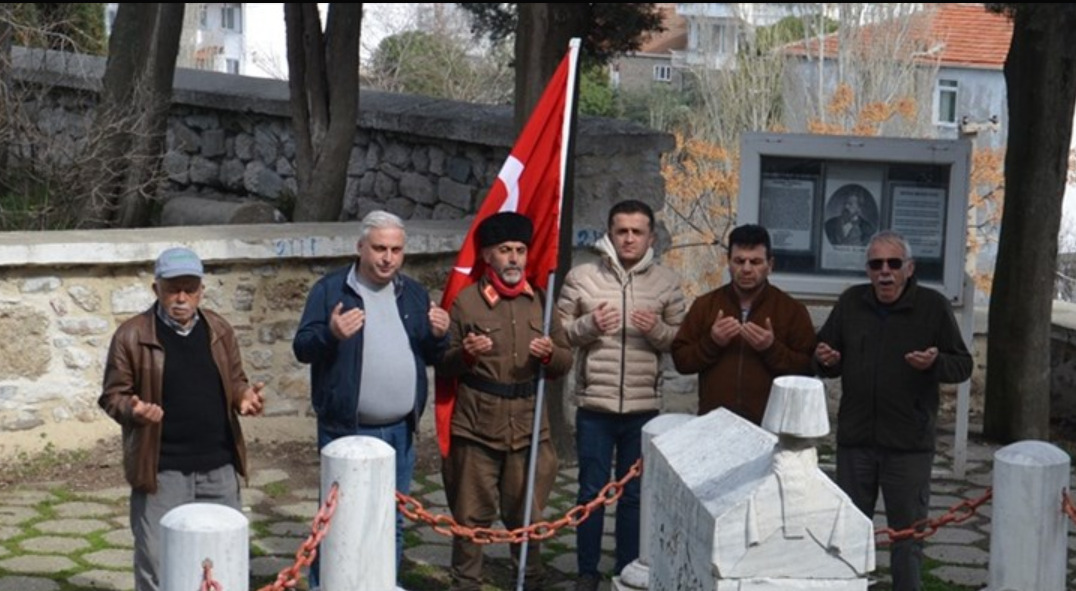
(539, 399)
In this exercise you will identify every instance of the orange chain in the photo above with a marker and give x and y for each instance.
(542, 530)
(208, 584)
(924, 528)
(308, 550)
(1067, 506)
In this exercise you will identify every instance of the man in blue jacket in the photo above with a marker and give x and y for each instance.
(378, 390)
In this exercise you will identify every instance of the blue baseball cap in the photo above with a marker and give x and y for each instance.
(178, 262)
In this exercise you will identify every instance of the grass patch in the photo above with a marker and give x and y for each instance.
(930, 582)
(277, 489)
(30, 466)
(419, 576)
(411, 538)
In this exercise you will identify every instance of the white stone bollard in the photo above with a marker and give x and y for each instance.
(637, 574)
(1029, 533)
(359, 552)
(196, 532)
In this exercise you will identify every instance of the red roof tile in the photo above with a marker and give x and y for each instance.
(972, 36)
(673, 38)
(960, 35)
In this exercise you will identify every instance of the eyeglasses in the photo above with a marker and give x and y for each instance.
(894, 264)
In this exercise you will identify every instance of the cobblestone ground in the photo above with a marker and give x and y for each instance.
(56, 539)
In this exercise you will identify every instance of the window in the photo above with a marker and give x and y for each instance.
(231, 17)
(721, 41)
(232, 66)
(203, 16)
(945, 99)
(663, 73)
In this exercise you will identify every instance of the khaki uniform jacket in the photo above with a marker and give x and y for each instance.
(736, 376)
(620, 372)
(135, 367)
(503, 424)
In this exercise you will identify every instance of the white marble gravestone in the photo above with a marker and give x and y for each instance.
(739, 511)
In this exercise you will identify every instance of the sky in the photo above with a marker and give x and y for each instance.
(266, 36)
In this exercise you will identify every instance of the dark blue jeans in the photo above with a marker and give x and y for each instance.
(597, 435)
(399, 436)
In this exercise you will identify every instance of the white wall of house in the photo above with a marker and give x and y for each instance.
(980, 96)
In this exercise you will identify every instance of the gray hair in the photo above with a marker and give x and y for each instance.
(892, 237)
(379, 219)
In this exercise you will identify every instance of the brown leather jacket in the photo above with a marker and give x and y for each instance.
(736, 376)
(135, 367)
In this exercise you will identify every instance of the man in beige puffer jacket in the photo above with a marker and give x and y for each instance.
(621, 313)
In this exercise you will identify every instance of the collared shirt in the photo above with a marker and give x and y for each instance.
(171, 323)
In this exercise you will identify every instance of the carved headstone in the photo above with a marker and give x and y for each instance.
(742, 509)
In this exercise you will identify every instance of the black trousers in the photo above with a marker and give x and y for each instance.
(904, 481)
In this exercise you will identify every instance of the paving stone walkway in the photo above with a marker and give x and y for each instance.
(55, 540)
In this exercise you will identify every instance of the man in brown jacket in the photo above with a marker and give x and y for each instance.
(174, 381)
(741, 336)
(496, 347)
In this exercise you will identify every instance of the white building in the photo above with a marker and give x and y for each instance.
(245, 38)
(213, 37)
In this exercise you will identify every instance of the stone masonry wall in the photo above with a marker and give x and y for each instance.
(229, 138)
(60, 306)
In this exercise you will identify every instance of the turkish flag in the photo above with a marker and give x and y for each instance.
(531, 183)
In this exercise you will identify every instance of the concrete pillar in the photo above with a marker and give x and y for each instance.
(1028, 541)
(196, 532)
(359, 552)
(637, 574)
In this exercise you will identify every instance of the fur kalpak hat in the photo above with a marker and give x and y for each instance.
(506, 226)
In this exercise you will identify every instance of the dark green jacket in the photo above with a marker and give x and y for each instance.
(885, 402)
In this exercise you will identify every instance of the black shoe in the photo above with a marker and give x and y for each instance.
(587, 582)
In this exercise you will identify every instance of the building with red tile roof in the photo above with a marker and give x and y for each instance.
(961, 49)
(953, 34)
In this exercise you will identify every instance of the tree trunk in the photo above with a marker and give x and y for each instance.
(131, 119)
(542, 37)
(324, 107)
(6, 35)
(159, 73)
(1040, 76)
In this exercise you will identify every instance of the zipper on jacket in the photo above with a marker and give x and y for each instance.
(623, 340)
(882, 325)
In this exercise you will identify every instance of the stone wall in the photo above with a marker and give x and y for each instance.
(230, 138)
(63, 294)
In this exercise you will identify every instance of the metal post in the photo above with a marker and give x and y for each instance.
(963, 391)
(359, 552)
(1029, 532)
(195, 533)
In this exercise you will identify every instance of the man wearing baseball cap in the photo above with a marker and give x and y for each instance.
(496, 347)
(174, 381)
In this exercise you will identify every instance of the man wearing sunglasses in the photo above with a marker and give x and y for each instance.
(891, 341)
